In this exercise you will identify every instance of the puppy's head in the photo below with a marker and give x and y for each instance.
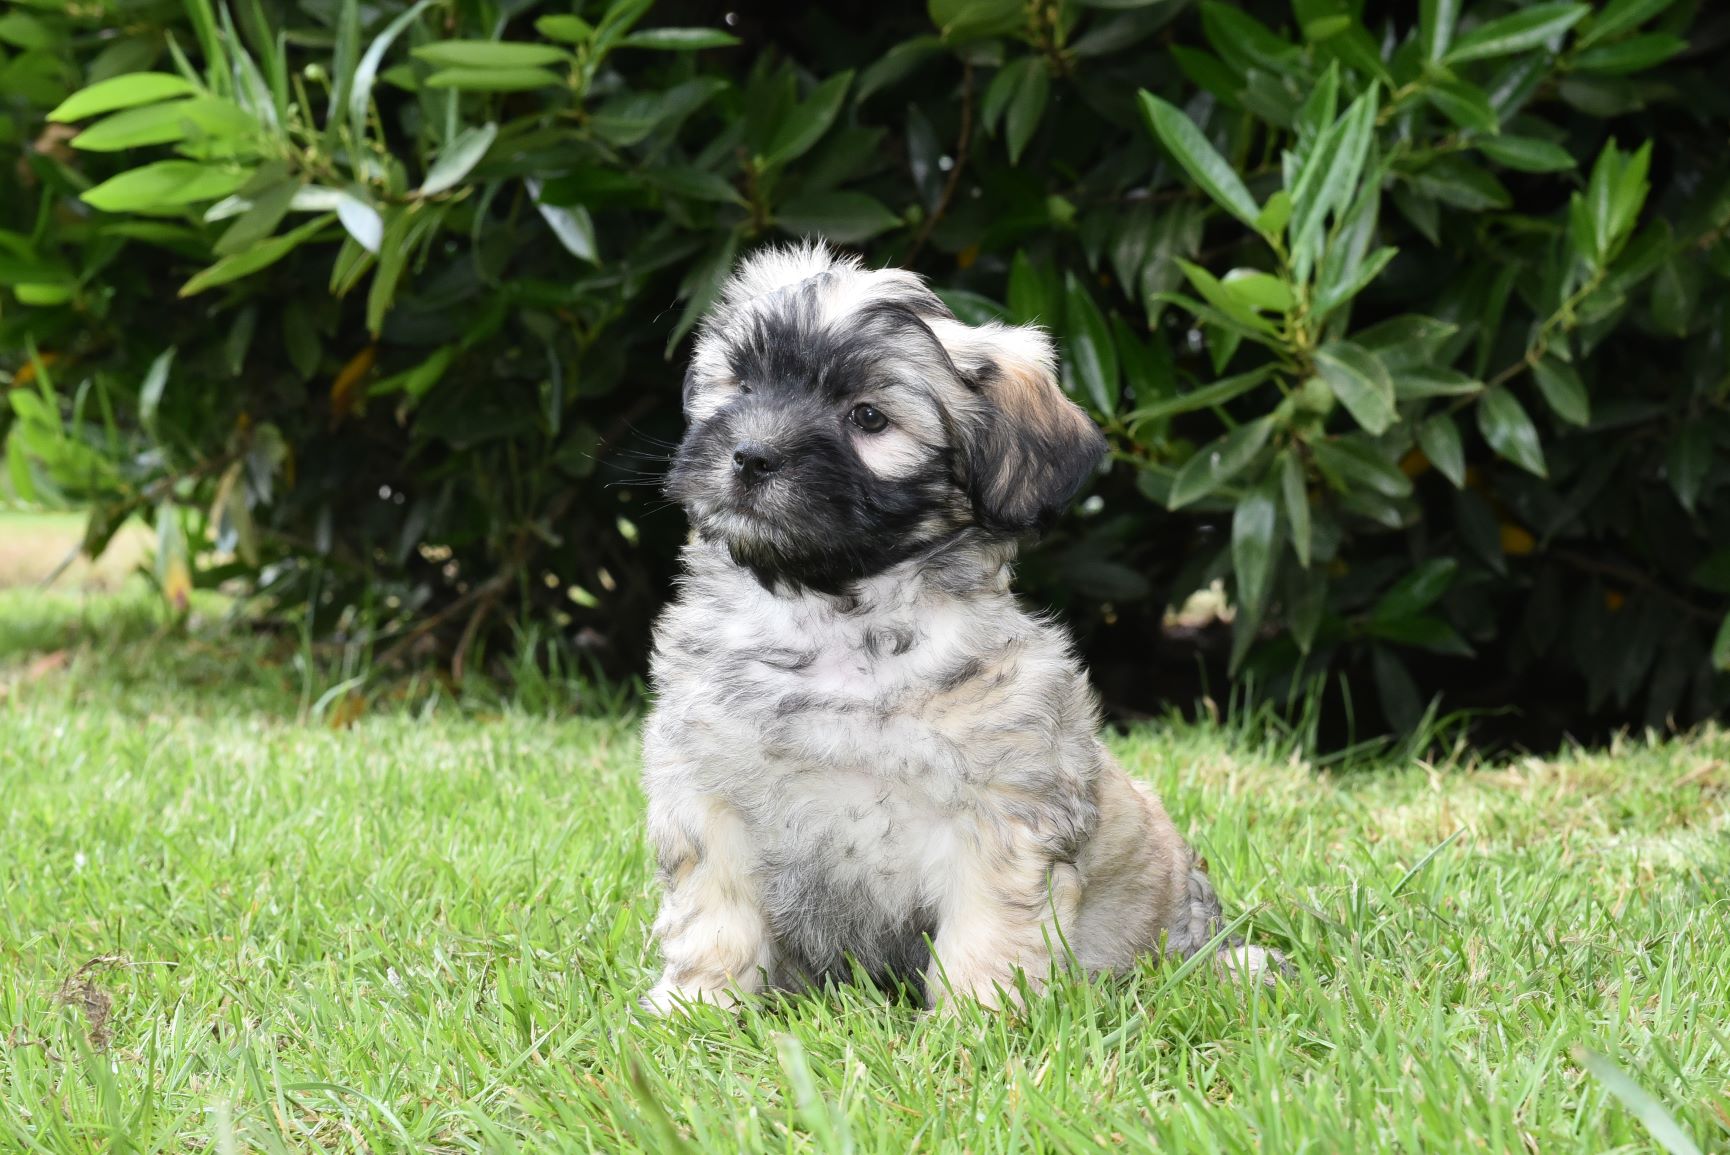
(840, 419)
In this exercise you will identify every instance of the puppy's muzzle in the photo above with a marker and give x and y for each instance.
(754, 462)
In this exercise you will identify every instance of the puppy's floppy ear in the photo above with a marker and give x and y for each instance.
(1023, 448)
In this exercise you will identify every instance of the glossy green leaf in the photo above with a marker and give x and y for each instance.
(565, 29)
(959, 21)
(166, 123)
(573, 226)
(806, 124)
(128, 91)
(1454, 181)
(165, 184)
(22, 30)
(362, 222)
(1676, 293)
(1419, 384)
(1408, 341)
(1439, 438)
(694, 184)
(679, 39)
(1401, 703)
(1418, 590)
(1218, 393)
(1244, 42)
(1331, 293)
(1424, 631)
(971, 308)
(1274, 215)
(702, 284)
(253, 260)
(489, 54)
(1002, 90)
(1033, 297)
(366, 70)
(458, 158)
(1026, 106)
(1253, 526)
(1635, 55)
(631, 117)
(1688, 463)
(44, 294)
(1233, 305)
(1259, 290)
(1531, 26)
(417, 382)
(896, 65)
(1436, 21)
(151, 389)
(1294, 494)
(1525, 153)
(843, 217)
(1510, 432)
(1563, 391)
(493, 79)
(1328, 179)
(1617, 17)
(1465, 104)
(1147, 364)
(1219, 462)
(1091, 349)
(1360, 381)
(1191, 149)
(1353, 461)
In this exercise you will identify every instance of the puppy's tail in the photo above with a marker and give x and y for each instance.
(1200, 924)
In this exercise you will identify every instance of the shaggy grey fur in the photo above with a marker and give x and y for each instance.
(862, 746)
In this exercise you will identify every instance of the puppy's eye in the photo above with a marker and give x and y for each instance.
(744, 388)
(869, 418)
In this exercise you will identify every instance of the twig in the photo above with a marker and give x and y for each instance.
(962, 143)
(1634, 578)
(1562, 318)
(488, 588)
(473, 628)
(61, 567)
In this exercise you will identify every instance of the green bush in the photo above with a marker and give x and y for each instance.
(1406, 322)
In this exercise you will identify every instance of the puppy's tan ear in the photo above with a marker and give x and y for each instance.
(1024, 448)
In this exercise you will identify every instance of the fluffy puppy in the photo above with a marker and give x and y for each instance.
(863, 752)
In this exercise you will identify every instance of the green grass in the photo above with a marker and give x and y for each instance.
(225, 929)
(34, 544)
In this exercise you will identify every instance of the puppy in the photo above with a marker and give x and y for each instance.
(863, 753)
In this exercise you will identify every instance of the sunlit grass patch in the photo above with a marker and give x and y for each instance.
(224, 927)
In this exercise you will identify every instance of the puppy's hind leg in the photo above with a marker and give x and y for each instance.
(715, 942)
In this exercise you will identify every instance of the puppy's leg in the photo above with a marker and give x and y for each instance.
(714, 940)
(1001, 909)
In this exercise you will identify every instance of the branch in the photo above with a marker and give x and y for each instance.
(962, 143)
(1636, 579)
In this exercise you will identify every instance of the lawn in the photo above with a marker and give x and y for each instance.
(228, 926)
(35, 545)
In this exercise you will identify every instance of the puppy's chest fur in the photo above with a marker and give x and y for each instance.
(861, 744)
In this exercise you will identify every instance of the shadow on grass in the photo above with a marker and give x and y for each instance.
(125, 650)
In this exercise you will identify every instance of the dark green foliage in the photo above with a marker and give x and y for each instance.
(1406, 321)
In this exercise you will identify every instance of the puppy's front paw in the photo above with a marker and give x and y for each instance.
(996, 991)
(951, 1004)
(665, 999)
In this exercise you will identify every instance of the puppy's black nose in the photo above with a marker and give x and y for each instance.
(753, 461)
